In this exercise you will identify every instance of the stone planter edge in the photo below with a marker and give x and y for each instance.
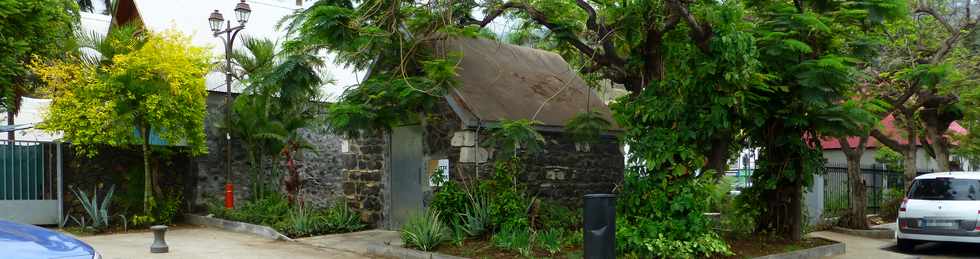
(837, 248)
(405, 253)
(235, 226)
(869, 233)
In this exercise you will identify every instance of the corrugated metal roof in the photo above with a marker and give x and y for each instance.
(499, 81)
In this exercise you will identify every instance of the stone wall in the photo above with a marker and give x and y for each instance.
(365, 178)
(562, 171)
(122, 167)
(320, 169)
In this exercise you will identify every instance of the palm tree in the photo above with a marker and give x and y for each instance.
(275, 105)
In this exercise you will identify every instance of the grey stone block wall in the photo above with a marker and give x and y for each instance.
(320, 169)
(365, 177)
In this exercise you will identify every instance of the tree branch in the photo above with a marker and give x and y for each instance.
(922, 8)
(599, 27)
(887, 141)
(701, 35)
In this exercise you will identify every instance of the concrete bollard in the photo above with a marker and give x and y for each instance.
(159, 241)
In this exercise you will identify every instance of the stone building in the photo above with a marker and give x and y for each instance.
(387, 172)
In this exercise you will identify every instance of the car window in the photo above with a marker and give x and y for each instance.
(945, 189)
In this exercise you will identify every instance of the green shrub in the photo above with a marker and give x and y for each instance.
(659, 217)
(892, 200)
(740, 219)
(458, 236)
(721, 197)
(425, 231)
(340, 219)
(507, 199)
(476, 220)
(450, 199)
(551, 240)
(515, 239)
(556, 216)
(300, 222)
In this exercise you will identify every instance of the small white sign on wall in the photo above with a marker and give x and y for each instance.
(345, 146)
(442, 168)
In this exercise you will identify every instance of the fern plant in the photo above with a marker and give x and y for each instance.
(425, 231)
(513, 135)
(587, 127)
(97, 211)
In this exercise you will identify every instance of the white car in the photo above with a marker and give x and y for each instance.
(940, 207)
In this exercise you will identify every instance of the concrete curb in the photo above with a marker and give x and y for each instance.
(405, 253)
(836, 248)
(235, 226)
(869, 233)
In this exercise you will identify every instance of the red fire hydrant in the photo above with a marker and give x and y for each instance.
(229, 196)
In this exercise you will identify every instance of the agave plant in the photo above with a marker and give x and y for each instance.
(425, 231)
(476, 218)
(98, 211)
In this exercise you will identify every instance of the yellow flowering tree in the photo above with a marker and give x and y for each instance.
(156, 86)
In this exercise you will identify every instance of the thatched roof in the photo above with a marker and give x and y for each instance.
(499, 81)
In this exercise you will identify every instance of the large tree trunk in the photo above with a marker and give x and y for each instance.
(855, 217)
(783, 204)
(858, 197)
(784, 211)
(147, 183)
(939, 147)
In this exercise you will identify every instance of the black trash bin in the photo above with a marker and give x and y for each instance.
(599, 226)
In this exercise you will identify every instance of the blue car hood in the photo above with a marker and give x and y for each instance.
(28, 241)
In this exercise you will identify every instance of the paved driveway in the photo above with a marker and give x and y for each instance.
(192, 243)
(862, 247)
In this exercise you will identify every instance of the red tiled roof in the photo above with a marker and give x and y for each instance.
(888, 128)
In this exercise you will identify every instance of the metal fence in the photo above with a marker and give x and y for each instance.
(877, 181)
(30, 181)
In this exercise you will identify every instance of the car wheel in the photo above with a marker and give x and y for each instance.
(906, 245)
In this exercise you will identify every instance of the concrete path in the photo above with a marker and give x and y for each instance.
(355, 242)
(861, 247)
(193, 243)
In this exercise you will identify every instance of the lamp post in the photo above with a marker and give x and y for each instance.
(227, 35)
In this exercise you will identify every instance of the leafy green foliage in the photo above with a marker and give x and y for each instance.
(450, 199)
(153, 83)
(278, 101)
(476, 219)
(295, 221)
(559, 217)
(97, 211)
(551, 240)
(491, 204)
(890, 158)
(660, 218)
(407, 79)
(517, 239)
(508, 202)
(42, 29)
(587, 127)
(425, 231)
(514, 135)
(892, 200)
